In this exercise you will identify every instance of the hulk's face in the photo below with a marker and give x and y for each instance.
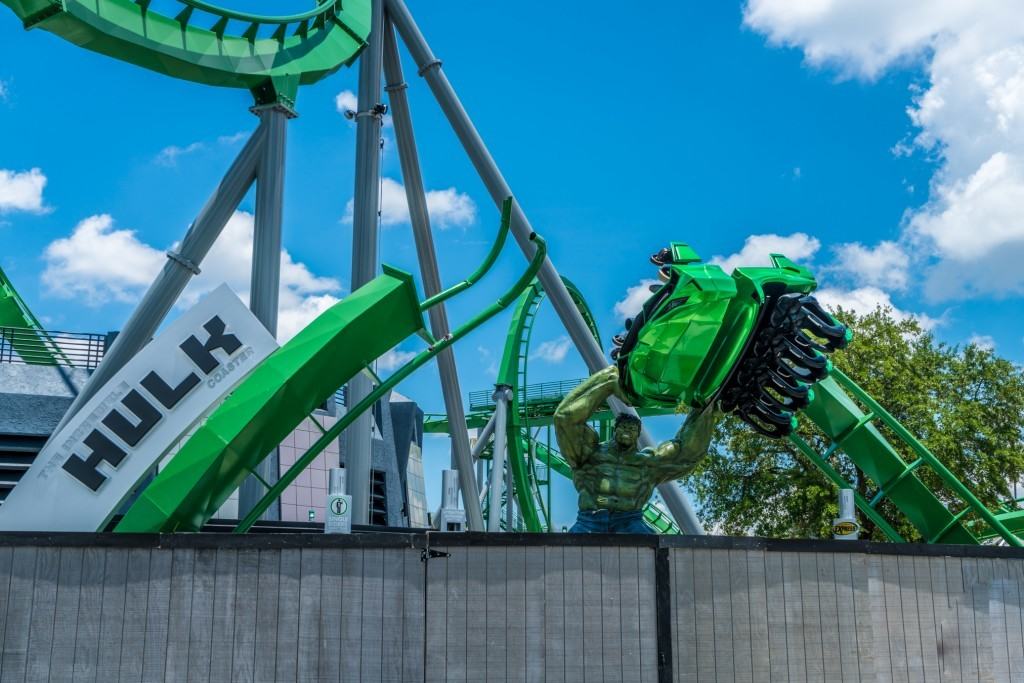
(627, 434)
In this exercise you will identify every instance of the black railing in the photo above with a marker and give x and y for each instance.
(28, 346)
(531, 394)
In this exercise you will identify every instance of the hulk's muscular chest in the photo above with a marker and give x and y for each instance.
(612, 480)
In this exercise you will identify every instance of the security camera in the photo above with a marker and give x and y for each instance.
(350, 115)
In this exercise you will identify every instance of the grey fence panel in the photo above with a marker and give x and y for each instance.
(89, 613)
(310, 590)
(179, 614)
(286, 665)
(329, 654)
(112, 614)
(136, 608)
(200, 630)
(513, 608)
(223, 619)
(18, 614)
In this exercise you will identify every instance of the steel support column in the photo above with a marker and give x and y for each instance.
(366, 204)
(430, 68)
(401, 117)
(497, 478)
(265, 282)
(177, 271)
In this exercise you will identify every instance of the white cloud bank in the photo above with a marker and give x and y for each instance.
(864, 300)
(630, 305)
(22, 191)
(969, 236)
(99, 264)
(447, 208)
(553, 351)
(983, 341)
(757, 250)
(168, 156)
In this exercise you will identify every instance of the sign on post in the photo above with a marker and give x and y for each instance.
(339, 504)
(84, 473)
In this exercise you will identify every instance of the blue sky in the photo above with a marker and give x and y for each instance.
(885, 152)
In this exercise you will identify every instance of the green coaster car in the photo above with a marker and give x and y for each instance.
(755, 341)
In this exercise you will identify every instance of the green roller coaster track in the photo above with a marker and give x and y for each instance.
(269, 55)
(283, 390)
(848, 421)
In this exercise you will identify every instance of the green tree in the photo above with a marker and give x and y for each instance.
(966, 404)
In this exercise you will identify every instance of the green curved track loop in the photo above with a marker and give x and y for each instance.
(512, 372)
(269, 55)
(282, 390)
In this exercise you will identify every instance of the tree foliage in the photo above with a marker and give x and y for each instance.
(965, 404)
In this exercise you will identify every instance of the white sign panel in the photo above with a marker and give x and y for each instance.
(79, 480)
(339, 514)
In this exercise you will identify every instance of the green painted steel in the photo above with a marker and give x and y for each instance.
(293, 381)
(836, 411)
(697, 327)
(391, 382)
(273, 400)
(26, 335)
(269, 55)
(513, 373)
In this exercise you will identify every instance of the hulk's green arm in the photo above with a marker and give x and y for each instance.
(677, 457)
(576, 439)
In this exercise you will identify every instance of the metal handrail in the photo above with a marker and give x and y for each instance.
(547, 392)
(28, 346)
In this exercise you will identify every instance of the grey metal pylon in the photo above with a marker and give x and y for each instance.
(501, 398)
(430, 68)
(177, 271)
(415, 194)
(265, 281)
(366, 206)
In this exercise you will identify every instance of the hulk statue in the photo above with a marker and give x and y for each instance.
(615, 479)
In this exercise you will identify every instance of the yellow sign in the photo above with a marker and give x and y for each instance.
(845, 528)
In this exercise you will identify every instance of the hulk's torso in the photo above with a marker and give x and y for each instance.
(610, 479)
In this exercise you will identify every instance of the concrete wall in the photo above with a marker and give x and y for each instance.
(464, 607)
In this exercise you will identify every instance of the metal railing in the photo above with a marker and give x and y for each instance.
(24, 345)
(543, 392)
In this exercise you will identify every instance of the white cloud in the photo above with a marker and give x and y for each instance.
(393, 359)
(233, 139)
(22, 191)
(967, 238)
(757, 249)
(864, 300)
(983, 341)
(554, 350)
(885, 265)
(295, 311)
(630, 305)
(487, 358)
(168, 156)
(447, 208)
(347, 101)
(302, 295)
(5, 90)
(98, 264)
